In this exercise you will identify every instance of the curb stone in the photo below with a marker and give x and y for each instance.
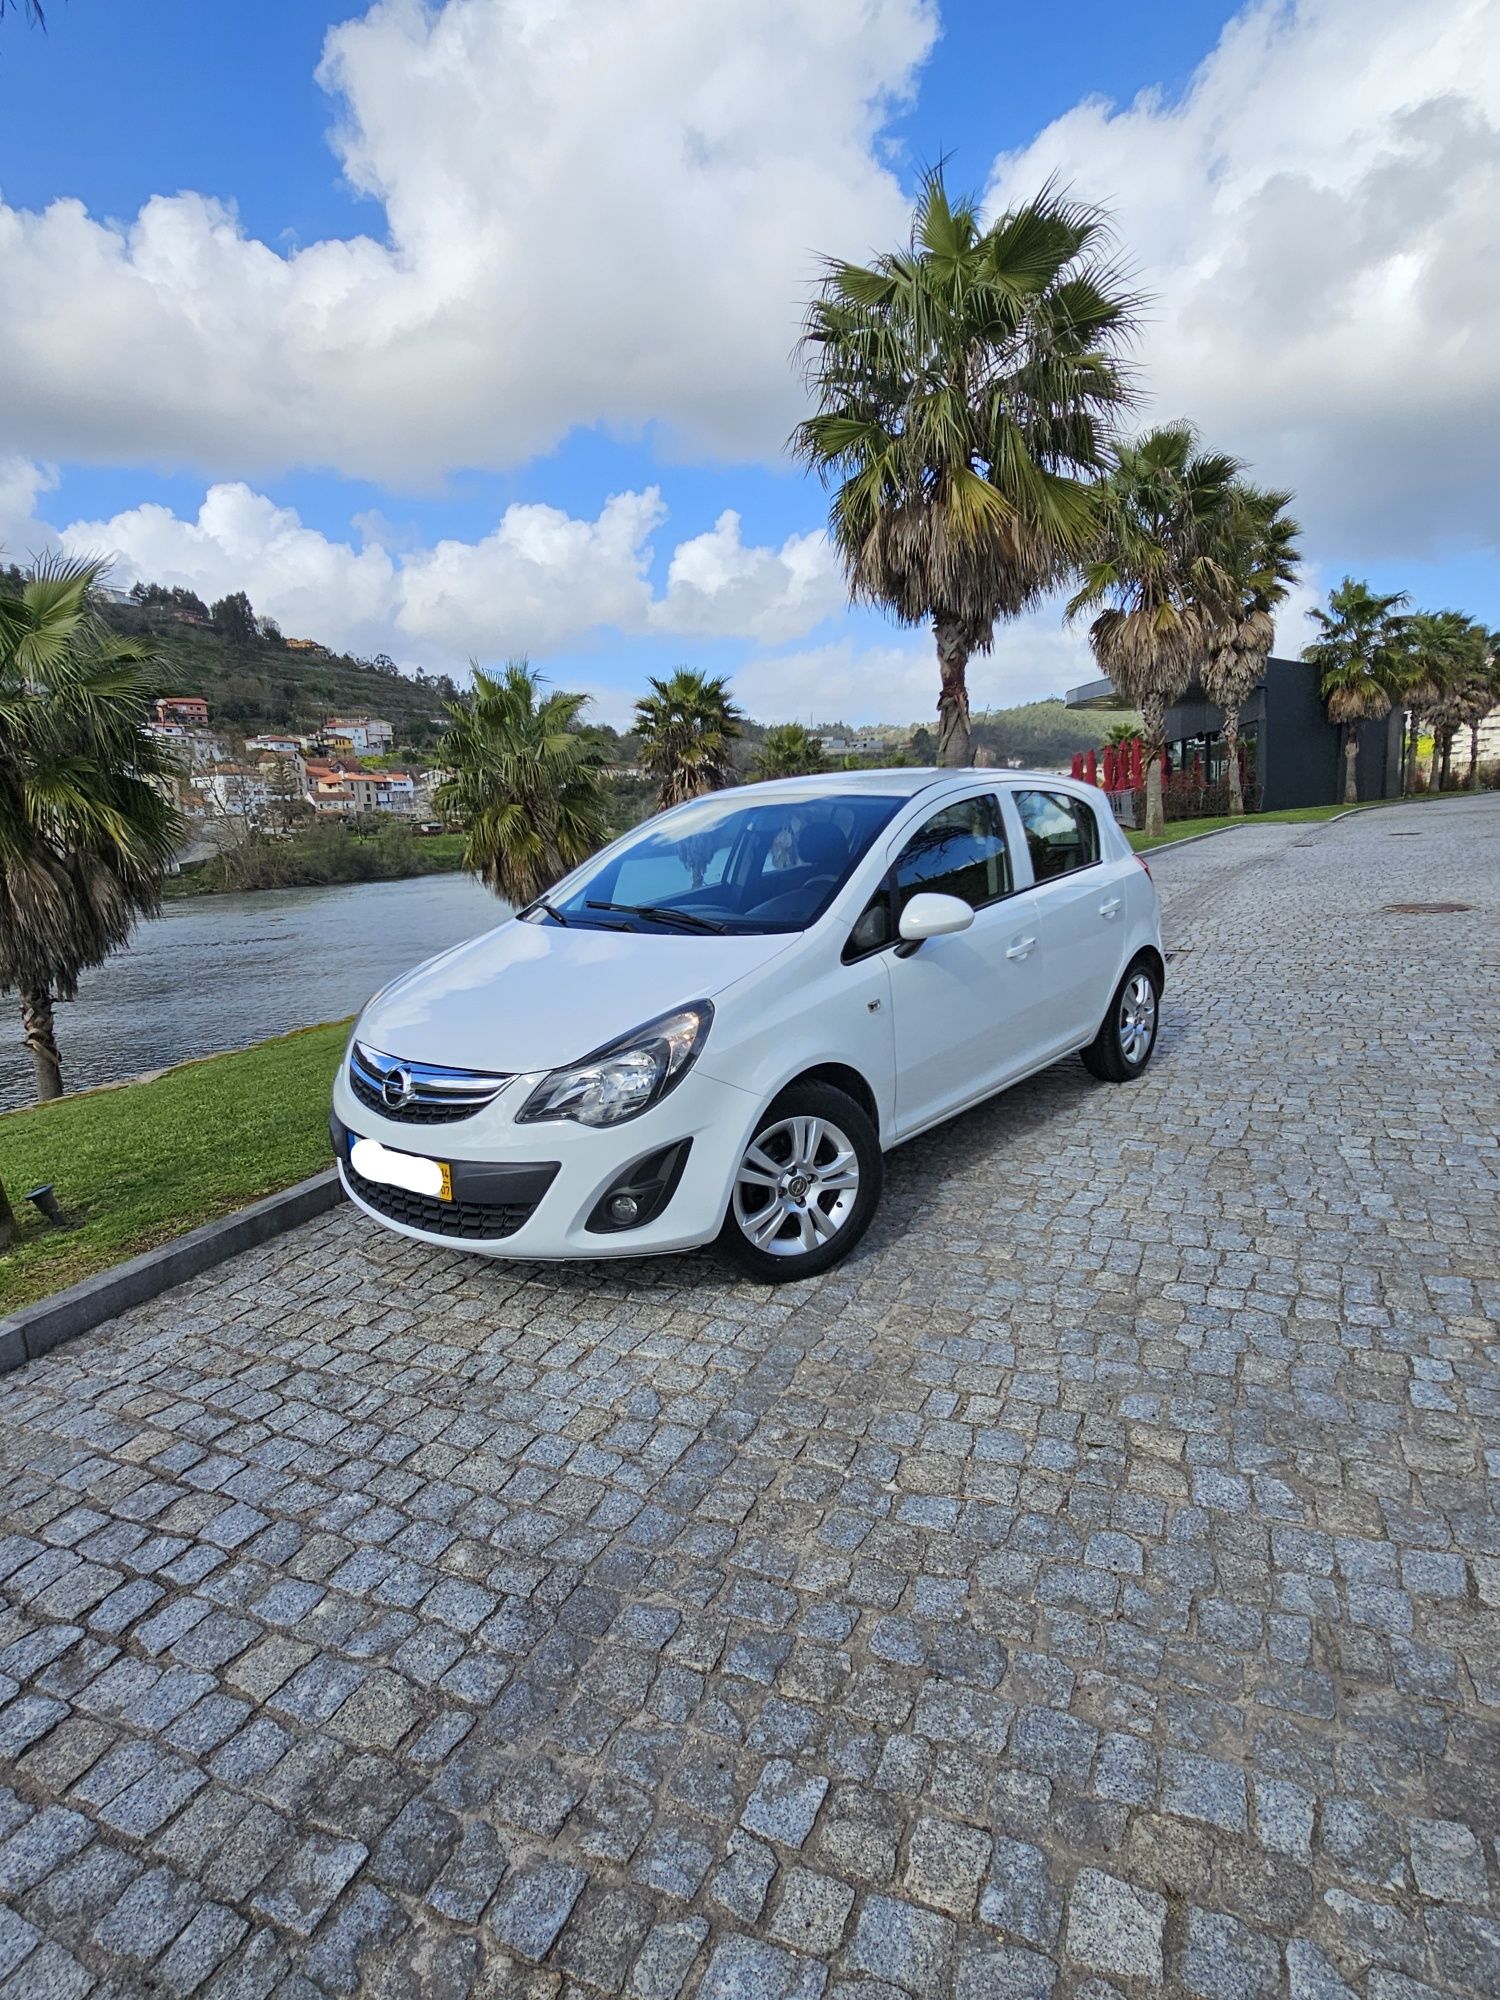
(34, 1330)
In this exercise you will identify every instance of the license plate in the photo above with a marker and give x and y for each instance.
(375, 1162)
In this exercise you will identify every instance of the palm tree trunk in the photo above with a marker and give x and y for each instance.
(1447, 769)
(1351, 763)
(1473, 756)
(1409, 774)
(1232, 765)
(1153, 729)
(41, 1039)
(8, 1230)
(953, 702)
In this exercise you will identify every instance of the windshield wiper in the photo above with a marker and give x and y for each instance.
(661, 913)
(541, 903)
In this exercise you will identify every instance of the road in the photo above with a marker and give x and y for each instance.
(1093, 1588)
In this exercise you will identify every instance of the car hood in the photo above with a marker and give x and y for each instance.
(531, 996)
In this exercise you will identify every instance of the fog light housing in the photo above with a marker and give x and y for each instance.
(639, 1194)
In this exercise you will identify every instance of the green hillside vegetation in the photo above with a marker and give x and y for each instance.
(253, 680)
(1044, 732)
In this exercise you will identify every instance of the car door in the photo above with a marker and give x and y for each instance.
(1080, 905)
(966, 1009)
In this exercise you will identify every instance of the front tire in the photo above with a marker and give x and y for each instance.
(806, 1186)
(1124, 1044)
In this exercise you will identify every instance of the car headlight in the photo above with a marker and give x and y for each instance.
(625, 1078)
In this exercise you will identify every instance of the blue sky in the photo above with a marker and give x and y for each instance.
(115, 106)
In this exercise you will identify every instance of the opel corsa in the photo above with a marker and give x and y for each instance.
(713, 1029)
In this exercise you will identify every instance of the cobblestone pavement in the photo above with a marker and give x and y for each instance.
(1092, 1589)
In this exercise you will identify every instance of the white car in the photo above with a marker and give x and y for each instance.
(713, 1029)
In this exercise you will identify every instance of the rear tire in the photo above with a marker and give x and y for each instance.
(1123, 1047)
(806, 1187)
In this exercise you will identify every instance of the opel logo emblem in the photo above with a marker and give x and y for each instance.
(397, 1090)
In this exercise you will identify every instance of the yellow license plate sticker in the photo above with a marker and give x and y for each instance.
(445, 1192)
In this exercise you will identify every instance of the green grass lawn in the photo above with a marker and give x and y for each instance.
(1184, 829)
(151, 1160)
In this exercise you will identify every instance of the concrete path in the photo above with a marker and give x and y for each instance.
(1092, 1589)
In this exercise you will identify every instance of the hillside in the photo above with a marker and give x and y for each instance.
(1044, 732)
(252, 678)
(261, 682)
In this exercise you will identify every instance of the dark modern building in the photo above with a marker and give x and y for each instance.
(1294, 753)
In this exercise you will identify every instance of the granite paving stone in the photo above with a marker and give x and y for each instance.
(1087, 1592)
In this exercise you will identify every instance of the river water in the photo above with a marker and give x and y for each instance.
(217, 972)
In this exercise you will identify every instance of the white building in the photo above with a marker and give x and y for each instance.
(382, 791)
(233, 791)
(359, 733)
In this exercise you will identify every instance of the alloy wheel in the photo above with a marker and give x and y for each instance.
(796, 1186)
(1137, 1018)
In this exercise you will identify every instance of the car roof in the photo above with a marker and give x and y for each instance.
(901, 782)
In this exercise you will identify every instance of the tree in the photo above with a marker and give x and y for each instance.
(1456, 689)
(1258, 552)
(524, 779)
(1168, 600)
(87, 826)
(687, 726)
(1358, 662)
(32, 9)
(234, 617)
(964, 390)
(789, 751)
(1486, 696)
(1428, 649)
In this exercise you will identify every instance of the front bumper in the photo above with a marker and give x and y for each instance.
(533, 1191)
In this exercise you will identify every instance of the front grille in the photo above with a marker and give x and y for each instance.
(471, 1221)
(437, 1096)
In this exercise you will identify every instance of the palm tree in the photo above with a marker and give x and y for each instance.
(1168, 600)
(1486, 699)
(789, 751)
(1466, 699)
(965, 387)
(686, 727)
(87, 825)
(1358, 662)
(1259, 552)
(1433, 656)
(525, 780)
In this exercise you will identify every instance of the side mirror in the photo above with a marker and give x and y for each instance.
(929, 916)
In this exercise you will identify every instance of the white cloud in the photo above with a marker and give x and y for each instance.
(540, 582)
(716, 585)
(850, 680)
(593, 214)
(22, 484)
(1319, 220)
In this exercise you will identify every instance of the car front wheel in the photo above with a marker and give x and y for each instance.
(1122, 1048)
(806, 1186)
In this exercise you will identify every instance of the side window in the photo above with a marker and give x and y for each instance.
(1061, 833)
(959, 852)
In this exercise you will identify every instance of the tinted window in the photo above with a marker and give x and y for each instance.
(1061, 833)
(959, 852)
(733, 862)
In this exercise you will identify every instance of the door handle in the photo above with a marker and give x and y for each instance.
(1108, 909)
(1020, 948)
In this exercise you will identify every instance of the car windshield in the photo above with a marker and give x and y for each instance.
(729, 864)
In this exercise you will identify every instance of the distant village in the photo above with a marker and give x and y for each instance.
(339, 771)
